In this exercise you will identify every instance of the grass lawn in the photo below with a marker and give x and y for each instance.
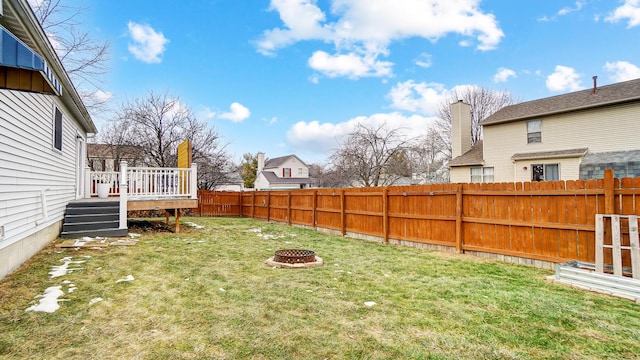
(207, 294)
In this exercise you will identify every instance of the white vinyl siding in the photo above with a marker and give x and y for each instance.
(30, 164)
(599, 130)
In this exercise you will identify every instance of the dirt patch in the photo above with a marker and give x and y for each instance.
(146, 226)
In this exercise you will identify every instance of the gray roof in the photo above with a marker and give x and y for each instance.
(611, 157)
(470, 158)
(274, 179)
(558, 154)
(276, 162)
(627, 91)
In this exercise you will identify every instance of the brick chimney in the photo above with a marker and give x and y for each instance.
(460, 128)
(260, 162)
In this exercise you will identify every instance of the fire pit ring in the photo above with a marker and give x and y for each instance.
(294, 258)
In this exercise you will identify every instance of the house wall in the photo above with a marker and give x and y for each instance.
(460, 174)
(261, 182)
(31, 167)
(598, 130)
(294, 164)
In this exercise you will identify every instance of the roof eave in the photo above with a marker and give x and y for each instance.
(549, 113)
(73, 101)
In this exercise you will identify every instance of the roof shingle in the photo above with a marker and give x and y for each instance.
(605, 95)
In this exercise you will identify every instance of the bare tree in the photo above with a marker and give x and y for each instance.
(484, 102)
(373, 156)
(157, 124)
(328, 177)
(428, 157)
(117, 135)
(84, 57)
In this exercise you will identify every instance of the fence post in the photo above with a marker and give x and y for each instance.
(268, 204)
(459, 239)
(385, 215)
(289, 207)
(343, 225)
(609, 197)
(314, 205)
(241, 207)
(253, 204)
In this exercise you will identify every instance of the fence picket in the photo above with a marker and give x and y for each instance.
(552, 221)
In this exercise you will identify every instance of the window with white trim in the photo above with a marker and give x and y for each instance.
(286, 172)
(481, 174)
(545, 172)
(534, 131)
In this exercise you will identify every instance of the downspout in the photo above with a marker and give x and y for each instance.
(43, 205)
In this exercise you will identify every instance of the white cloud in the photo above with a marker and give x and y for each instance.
(319, 137)
(564, 79)
(147, 44)
(207, 113)
(364, 29)
(237, 113)
(423, 98)
(630, 11)
(503, 75)
(315, 78)
(350, 65)
(101, 96)
(622, 71)
(566, 10)
(424, 60)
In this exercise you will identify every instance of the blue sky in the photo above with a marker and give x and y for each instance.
(293, 76)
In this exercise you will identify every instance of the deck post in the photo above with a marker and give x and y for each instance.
(87, 182)
(124, 191)
(193, 187)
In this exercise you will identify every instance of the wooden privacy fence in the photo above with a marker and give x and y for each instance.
(550, 221)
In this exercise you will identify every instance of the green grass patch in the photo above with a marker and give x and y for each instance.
(207, 294)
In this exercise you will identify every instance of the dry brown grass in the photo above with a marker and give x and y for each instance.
(429, 305)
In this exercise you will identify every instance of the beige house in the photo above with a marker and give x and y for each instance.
(282, 173)
(565, 137)
(105, 157)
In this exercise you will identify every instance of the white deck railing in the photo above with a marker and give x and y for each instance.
(146, 182)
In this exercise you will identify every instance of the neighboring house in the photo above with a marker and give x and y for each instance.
(235, 183)
(566, 137)
(43, 131)
(282, 173)
(105, 157)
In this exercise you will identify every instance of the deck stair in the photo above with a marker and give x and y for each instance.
(93, 219)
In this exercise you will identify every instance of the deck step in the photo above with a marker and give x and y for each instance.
(91, 225)
(81, 218)
(92, 219)
(94, 233)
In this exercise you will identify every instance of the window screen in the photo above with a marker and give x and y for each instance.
(534, 131)
(57, 130)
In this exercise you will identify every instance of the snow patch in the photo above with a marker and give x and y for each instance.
(127, 278)
(49, 301)
(95, 300)
(194, 225)
(57, 271)
(369, 303)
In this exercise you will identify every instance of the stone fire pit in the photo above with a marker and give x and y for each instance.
(294, 258)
